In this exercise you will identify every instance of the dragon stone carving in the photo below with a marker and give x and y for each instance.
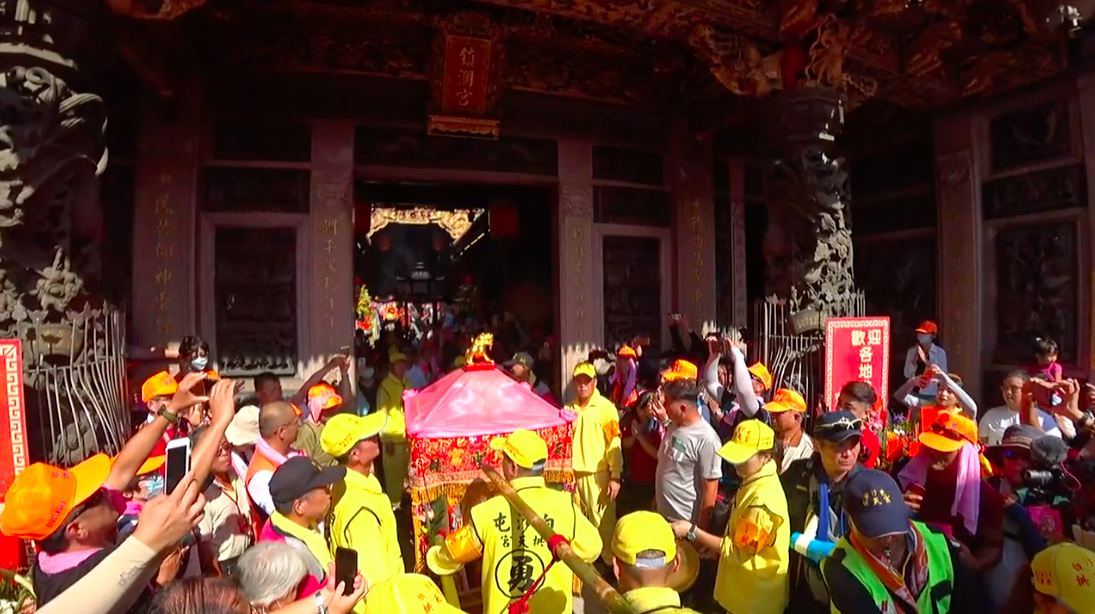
(52, 150)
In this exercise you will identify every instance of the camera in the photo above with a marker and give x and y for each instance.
(1047, 479)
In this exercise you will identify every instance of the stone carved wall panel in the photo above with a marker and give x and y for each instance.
(1054, 189)
(632, 294)
(413, 148)
(632, 206)
(255, 297)
(1037, 289)
(1031, 135)
(257, 189)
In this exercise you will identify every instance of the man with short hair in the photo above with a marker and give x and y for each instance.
(598, 457)
(687, 478)
(788, 409)
(520, 367)
(815, 493)
(514, 554)
(278, 426)
(301, 494)
(362, 518)
(645, 556)
(859, 398)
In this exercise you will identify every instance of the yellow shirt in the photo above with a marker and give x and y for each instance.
(597, 437)
(514, 554)
(658, 599)
(362, 520)
(755, 553)
(389, 399)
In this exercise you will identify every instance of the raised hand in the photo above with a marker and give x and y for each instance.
(184, 397)
(222, 401)
(165, 520)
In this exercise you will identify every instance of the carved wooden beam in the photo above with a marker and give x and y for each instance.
(165, 10)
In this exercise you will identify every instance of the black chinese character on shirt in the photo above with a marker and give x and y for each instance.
(520, 573)
(500, 522)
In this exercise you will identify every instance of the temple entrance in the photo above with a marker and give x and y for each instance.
(441, 262)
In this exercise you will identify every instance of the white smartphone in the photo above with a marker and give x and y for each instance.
(177, 463)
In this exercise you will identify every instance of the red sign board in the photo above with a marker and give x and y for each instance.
(858, 349)
(13, 431)
(467, 74)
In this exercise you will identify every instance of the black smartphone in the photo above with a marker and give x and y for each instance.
(345, 568)
(177, 463)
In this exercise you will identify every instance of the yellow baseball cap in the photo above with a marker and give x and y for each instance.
(407, 593)
(641, 531)
(395, 357)
(586, 369)
(1066, 571)
(344, 431)
(785, 399)
(524, 448)
(750, 437)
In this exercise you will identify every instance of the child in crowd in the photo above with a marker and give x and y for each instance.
(1046, 352)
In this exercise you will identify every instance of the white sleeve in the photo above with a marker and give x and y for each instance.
(942, 360)
(259, 489)
(910, 363)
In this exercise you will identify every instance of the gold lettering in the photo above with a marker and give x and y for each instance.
(463, 98)
(327, 283)
(331, 265)
(162, 205)
(467, 56)
(330, 227)
(858, 338)
(163, 299)
(330, 248)
(163, 277)
(164, 251)
(164, 325)
(467, 78)
(162, 226)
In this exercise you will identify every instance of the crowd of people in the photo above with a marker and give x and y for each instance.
(699, 485)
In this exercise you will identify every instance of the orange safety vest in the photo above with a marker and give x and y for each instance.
(259, 462)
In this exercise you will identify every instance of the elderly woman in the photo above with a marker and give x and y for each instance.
(270, 575)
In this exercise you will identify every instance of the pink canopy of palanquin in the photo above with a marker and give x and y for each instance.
(466, 403)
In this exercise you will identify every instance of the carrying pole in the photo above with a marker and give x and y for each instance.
(585, 572)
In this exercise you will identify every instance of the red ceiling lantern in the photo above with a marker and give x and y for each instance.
(504, 220)
(383, 241)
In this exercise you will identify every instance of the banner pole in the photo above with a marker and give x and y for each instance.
(589, 576)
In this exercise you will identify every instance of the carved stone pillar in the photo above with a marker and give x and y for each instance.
(694, 226)
(811, 186)
(578, 320)
(960, 289)
(332, 315)
(51, 157)
(1086, 90)
(164, 290)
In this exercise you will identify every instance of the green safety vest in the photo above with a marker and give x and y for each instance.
(936, 596)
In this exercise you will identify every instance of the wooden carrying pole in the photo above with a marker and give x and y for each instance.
(588, 575)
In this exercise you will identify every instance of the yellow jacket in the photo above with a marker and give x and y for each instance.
(597, 437)
(514, 554)
(755, 553)
(658, 599)
(389, 399)
(362, 520)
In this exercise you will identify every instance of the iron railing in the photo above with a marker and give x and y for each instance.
(75, 386)
(797, 359)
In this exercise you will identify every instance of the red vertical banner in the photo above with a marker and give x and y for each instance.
(466, 75)
(858, 349)
(13, 442)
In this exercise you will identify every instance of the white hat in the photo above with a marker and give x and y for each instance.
(244, 428)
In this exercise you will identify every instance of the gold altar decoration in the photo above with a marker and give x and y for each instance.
(456, 223)
(479, 352)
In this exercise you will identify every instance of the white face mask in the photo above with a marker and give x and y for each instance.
(199, 363)
(924, 339)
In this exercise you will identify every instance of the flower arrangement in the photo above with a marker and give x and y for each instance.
(896, 442)
(364, 309)
(16, 593)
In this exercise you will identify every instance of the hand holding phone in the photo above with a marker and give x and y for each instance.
(176, 463)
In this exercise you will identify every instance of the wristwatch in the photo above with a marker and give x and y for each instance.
(1086, 420)
(170, 417)
(691, 534)
(321, 608)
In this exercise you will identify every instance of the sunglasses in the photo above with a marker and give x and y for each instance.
(840, 426)
(947, 431)
(1016, 455)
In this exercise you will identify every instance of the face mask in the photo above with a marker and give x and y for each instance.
(199, 363)
(154, 486)
(924, 339)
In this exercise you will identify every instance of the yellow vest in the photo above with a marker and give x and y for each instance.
(389, 399)
(751, 580)
(362, 520)
(597, 437)
(651, 599)
(514, 554)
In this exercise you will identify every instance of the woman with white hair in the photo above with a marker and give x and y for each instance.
(271, 573)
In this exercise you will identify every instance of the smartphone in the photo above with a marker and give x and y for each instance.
(176, 463)
(345, 568)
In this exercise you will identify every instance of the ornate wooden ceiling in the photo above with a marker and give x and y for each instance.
(661, 54)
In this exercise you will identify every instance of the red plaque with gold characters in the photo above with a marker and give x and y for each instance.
(858, 349)
(13, 437)
(466, 76)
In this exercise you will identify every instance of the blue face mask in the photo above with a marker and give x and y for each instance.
(155, 486)
(199, 363)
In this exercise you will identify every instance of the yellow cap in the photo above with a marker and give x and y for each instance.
(407, 593)
(586, 369)
(524, 448)
(395, 357)
(641, 531)
(344, 431)
(750, 437)
(1066, 571)
(785, 399)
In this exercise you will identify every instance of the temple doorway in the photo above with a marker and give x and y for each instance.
(443, 261)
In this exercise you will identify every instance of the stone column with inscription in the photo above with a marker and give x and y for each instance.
(1085, 87)
(740, 315)
(694, 226)
(332, 220)
(576, 284)
(958, 195)
(164, 233)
